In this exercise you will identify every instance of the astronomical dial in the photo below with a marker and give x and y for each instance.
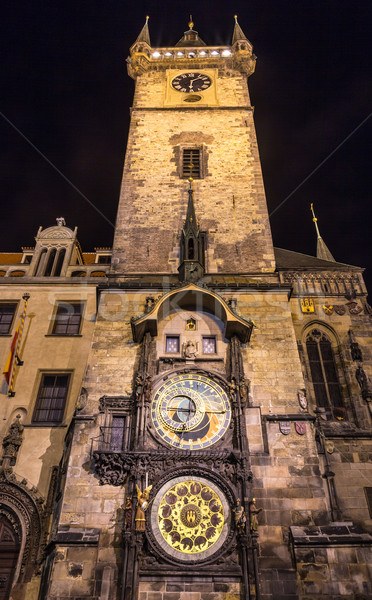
(191, 412)
(191, 82)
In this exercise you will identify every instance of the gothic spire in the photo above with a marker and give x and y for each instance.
(190, 224)
(322, 250)
(192, 246)
(238, 32)
(144, 35)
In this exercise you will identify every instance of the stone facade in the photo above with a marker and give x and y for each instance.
(209, 453)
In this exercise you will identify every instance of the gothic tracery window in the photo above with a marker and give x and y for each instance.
(323, 370)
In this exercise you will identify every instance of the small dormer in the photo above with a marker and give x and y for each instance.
(56, 248)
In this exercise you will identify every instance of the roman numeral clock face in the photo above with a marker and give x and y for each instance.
(190, 412)
(191, 82)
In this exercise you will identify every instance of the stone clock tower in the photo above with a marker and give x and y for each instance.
(194, 361)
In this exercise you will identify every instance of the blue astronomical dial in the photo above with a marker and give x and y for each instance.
(190, 411)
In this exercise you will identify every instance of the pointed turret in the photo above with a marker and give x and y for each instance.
(322, 250)
(192, 254)
(238, 34)
(191, 37)
(144, 35)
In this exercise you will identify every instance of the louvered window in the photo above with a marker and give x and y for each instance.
(191, 163)
(323, 370)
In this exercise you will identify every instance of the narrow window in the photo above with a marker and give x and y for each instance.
(368, 493)
(104, 259)
(191, 163)
(60, 259)
(67, 320)
(50, 263)
(51, 399)
(172, 343)
(7, 312)
(209, 345)
(323, 370)
(117, 433)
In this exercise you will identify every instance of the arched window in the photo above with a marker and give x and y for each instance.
(9, 551)
(50, 263)
(60, 259)
(323, 370)
(41, 261)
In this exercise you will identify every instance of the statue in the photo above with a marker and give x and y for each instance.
(128, 510)
(364, 382)
(61, 222)
(253, 512)
(13, 440)
(147, 389)
(244, 388)
(142, 506)
(232, 386)
(138, 386)
(240, 518)
(190, 349)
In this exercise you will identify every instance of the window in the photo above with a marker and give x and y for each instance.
(51, 399)
(118, 427)
(191, 163)
(209, 345)
(323, 370)
(172, 343)
(67, 320)
(368, 493)
(7, 312)
(103, 259)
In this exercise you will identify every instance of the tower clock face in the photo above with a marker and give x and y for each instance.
(191, 412)
(191, 82)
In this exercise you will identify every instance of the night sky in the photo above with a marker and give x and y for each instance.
(64, 86)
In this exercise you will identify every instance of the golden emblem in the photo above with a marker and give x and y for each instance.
(307, 305)
(328, 309)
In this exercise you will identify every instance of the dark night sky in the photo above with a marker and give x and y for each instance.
(64, 86)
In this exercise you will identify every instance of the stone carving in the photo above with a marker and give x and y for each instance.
(13, 441)
(356, 353)
(149, 304)
(142, 506)
(82, 399)
(364, 382)
(190, 349)
(302, 400)
(128, 512)
(113, 468)
(253, 515)
(244, 389)
(61, 222)
(240, 518)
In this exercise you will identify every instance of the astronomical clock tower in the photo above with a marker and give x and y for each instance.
(175, 445)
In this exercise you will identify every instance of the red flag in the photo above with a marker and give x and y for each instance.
(10, 360)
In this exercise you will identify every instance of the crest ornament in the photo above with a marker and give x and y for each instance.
(285, 427)
(340, 309)
(353, 307)
(307, 305)
(302, 400)
(300, 427)
(328, 309)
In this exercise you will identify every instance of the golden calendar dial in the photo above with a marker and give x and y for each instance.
(190, 411)
(190, 518)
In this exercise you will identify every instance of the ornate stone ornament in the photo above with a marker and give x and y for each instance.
(190, 349)
(300, 427)
(340, 309)
(329, 446)
(285, 427)
(328, 309)
(190, 518)
(307, 305)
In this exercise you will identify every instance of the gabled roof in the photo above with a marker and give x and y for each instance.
(287, 259)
